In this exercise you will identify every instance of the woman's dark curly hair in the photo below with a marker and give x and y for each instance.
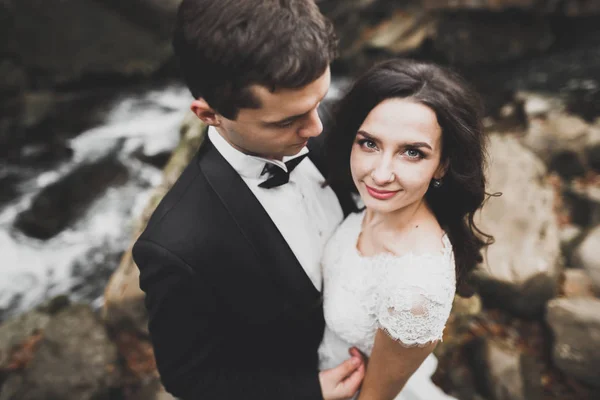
(459, 113)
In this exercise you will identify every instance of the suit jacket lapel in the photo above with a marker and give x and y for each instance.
(257, 227)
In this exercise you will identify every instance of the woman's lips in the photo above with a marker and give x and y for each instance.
(381, 194)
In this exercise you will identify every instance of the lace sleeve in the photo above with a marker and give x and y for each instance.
(416, 299)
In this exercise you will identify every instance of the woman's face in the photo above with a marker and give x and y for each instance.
(396, 154)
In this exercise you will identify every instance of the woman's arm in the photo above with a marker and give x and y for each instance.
(390, 366)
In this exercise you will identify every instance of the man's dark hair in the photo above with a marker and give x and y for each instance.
(224, 46)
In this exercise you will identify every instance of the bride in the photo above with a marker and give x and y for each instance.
(408, 138)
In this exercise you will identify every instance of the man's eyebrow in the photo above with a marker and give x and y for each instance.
(293, 117)
(411, 144)
(288, 119)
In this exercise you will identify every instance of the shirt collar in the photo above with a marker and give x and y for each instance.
(246, 165)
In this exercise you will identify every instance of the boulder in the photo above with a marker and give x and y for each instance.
(576, 283)
(570, 237)
(555, 135)
(582, 201)
(40, 123)
(156, 16)
(60, 41)
(568, 7)
(587, 256)
(403, 31)
(62, 202)
(575, 323)
(123, 298)
(469, 39)
(15, 331)
(506, 373)
(592, 148)
(13, 78)
(521, 269)
(75, 359)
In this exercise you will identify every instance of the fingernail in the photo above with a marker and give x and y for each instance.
(355, 361)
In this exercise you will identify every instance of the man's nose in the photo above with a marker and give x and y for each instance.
(313, 126)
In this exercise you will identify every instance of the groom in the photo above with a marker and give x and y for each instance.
(229, 261)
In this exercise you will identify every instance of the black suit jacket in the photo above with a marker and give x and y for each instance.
(232, 314)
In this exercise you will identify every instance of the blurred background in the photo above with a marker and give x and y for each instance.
(94, 128)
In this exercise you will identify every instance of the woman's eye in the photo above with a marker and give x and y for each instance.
(369, 144)
(413, 153)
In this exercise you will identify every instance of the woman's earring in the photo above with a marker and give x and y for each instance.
(436, 183)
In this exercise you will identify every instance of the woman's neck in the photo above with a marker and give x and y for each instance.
(400, 220)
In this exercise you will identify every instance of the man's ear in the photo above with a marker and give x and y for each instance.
(203, 111)
(441, 170)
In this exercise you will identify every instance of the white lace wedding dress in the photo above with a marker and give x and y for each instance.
(408, 296)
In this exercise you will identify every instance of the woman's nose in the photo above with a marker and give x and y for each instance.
(383, 173)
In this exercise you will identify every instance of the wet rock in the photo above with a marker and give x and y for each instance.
(576, 326)
(159, 160)
(75, 359)
(582, 203)
(16, 331)
(12, 78)
(569, 7)
(464, 307)
(67, 40)
(402, 32)
(40, 123)
(123, 298)
(156, 16)
(525, 299)
(152, 391)
(593, 156)
(570, 236)
(61, 203)
(567, 164)
(90, 272)
(506, 373)
(485, 38)
(522, 267)
(8, 188)
(576, 283)
(587, 256)
(592, 148)
(555, 135)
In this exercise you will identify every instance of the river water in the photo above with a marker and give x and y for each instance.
(79, 260)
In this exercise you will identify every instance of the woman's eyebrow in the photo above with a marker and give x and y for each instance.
(419, 144)
(407, 144)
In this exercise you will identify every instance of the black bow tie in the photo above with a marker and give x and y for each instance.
(278, 176)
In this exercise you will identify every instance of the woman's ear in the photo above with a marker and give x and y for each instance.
(441, 170)
(203, 111)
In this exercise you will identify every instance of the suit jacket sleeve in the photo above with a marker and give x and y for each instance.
(190, 350)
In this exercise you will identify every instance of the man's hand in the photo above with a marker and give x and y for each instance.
(343, 381)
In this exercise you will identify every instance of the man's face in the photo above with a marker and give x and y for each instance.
(284, 123)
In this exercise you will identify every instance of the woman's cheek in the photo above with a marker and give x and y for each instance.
(357, 164)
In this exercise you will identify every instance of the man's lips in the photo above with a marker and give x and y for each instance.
(381, 194)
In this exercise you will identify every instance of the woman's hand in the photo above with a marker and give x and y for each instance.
(343, 381)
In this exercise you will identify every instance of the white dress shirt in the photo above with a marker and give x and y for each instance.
(305, 213)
